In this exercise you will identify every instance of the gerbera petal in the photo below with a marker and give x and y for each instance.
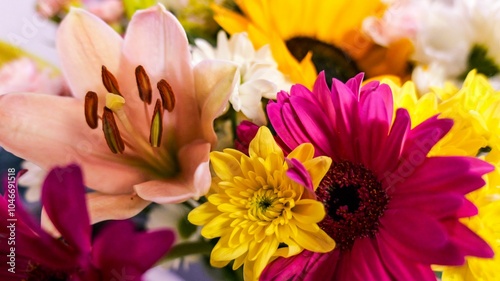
(313, 123)
(373, 113)
(66, 185)
(393, 145)
(114, 207)
(297, 172)
(470, 243)
(62, 137)
(111, 257)
(439, 205)
(345, 101)
(454, 174)
(369, 265)
(323, 96)
(306, 266)
(86, 43)
(402, 268)
(423, 239)
(424, 136)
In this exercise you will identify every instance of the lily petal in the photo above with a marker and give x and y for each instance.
(193, 181)
(214, 83)
(114, 207)
(85, 43)
(156, 40)
(62, 137)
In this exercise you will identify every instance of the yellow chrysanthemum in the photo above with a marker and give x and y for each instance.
(325, 32)
(475, 110)
(257, 210)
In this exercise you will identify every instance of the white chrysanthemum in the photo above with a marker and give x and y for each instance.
(450, 37)
(258, 72)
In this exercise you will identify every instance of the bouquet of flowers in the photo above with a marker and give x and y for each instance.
(255, 140)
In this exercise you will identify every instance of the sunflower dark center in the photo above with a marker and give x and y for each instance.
(40, 273)
(335, 62)
(354, 200)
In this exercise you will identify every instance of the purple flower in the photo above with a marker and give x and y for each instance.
(117, 251)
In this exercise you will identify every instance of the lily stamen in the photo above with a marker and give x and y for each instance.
(143, 84)
(111, 132)
(91, 103)
(167, 95)
(109, 81)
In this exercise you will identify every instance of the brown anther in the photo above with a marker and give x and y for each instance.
(167, 95)
(111, 132)
(143, 84)
(156, 125)
(109, 81)
(91, 102)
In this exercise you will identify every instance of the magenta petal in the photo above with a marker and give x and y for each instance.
(323, 96)
(401, 268)
(120, 248)
(468, 209)
(297, 172)
(383, 92)
(423, 137)
(306, 266)
(420, 230)
(373, 118)
(470, 243)
(31, 241)
(355, 83)
(245, 133)
(393, 146)
(438, 205)
(314, 125)
(455, 174)
(63, 197)
(276, 117)
(366, 262)
(422, 239)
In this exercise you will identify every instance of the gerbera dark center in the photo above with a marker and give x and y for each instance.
(354, 200)
(332, 60)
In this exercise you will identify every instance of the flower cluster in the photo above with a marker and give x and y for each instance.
(278, 140)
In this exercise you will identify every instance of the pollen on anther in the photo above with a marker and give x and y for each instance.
(91, 102)
(111, 132)
(109, 81)
(143, 84)
(167, 95)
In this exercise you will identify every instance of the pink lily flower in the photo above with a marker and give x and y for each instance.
(112, 253)
(147, 145)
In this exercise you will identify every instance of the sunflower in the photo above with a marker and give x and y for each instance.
(306, 36)
(391, 209)
(262, 205)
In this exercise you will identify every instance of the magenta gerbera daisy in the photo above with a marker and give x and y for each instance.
(392, 210)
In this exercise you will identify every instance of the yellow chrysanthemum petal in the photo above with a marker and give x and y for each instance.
(260, 208)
